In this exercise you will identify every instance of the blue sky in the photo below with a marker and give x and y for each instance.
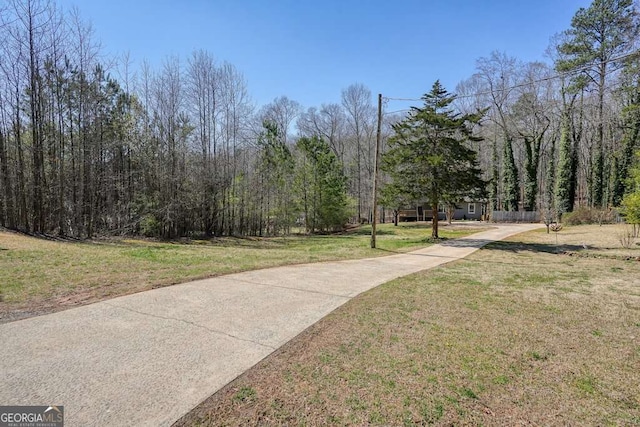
(311, 50)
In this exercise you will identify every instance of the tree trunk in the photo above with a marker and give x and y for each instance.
(434, 218)
(7, 218)
(23, 217)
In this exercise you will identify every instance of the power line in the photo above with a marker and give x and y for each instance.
(520, 85)
(405, 110)
(386, 98)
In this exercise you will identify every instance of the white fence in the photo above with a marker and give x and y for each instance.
(519, 216)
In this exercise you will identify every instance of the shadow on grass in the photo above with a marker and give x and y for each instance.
(43, 236)
(547, 248)
(513, 247)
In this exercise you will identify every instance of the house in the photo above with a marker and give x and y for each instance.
(468, 209)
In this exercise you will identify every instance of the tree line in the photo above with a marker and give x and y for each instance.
(175, 151)
(562, 134)
(90, 146)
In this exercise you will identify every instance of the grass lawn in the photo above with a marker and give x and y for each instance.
(39, 276)
(523, 332)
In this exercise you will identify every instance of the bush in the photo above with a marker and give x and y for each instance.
(631, 208)
(585, 215)
(150, 226)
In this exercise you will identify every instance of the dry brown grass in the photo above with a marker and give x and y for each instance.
(591, 239)
(516, 334)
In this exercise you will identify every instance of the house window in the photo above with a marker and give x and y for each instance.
(441, 208)
(472, 208)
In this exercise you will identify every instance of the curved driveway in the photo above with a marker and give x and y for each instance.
(147, 359)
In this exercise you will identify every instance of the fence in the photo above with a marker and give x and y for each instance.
(518, 216)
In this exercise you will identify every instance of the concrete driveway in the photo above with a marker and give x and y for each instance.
(149, 358)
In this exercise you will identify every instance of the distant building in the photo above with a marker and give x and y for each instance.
(463, 210)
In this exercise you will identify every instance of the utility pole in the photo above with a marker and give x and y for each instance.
(375, 176)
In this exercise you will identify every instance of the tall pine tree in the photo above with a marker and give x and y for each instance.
(429, 158)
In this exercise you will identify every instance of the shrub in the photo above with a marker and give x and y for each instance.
(150, 226)
(585, 215)
(627, 237)
(631, 208)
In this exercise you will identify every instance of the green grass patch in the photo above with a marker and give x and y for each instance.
(501, 379)
(467, 392)
(244, 395)
(586, 384)
(538, 356)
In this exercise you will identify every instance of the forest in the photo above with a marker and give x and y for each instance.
(90, 146)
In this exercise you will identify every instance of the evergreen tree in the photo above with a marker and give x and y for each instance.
(393, 196)
(277, 169)
(532, 148)
(548, 204)
(495, 177)
(614, 176)
(510, 178)
(597, 192)
(321, 186)
(428, 156)
(564, 200)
